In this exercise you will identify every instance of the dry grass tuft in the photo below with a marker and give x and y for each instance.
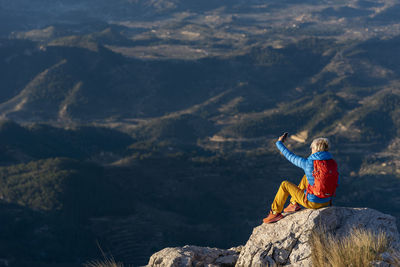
(105, 263)
(358, 249)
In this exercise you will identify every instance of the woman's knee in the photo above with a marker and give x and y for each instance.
(284, 184)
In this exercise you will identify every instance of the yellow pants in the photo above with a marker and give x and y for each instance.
(297, 194)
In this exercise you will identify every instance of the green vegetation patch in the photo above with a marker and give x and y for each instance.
(59, 184)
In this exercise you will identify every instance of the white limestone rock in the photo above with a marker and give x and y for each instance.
(380, 264)
(286, 241)
(194, 256)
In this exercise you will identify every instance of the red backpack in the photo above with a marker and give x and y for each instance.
(326, 178)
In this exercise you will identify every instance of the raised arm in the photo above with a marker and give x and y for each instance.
(289, 155)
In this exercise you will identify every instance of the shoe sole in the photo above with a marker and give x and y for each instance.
(291, 211)
(275, 219)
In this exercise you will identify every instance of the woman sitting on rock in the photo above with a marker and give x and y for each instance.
(318, 185)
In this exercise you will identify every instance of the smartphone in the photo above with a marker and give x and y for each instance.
(285, 134)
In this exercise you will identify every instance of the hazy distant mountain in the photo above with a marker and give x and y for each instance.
(27, 14)
(322, 17)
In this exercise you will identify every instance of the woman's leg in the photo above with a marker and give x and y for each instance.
(302, 185)
(286, 189)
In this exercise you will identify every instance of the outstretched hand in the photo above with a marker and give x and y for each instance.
(282, 138)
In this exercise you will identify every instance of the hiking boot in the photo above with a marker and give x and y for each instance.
(273, 217)
(292, 208)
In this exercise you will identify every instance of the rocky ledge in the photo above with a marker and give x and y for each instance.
(195, 256)
(284, 243)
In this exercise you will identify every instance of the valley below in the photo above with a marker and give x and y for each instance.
(131, 126)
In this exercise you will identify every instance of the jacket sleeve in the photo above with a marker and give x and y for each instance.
(289, 155)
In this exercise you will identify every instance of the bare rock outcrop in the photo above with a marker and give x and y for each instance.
(194, 256)
(285, 243)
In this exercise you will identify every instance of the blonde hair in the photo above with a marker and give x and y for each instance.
(320, 144)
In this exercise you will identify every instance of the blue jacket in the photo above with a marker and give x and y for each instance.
(307, 165)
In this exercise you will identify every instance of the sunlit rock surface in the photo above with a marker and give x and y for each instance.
(284, 243)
